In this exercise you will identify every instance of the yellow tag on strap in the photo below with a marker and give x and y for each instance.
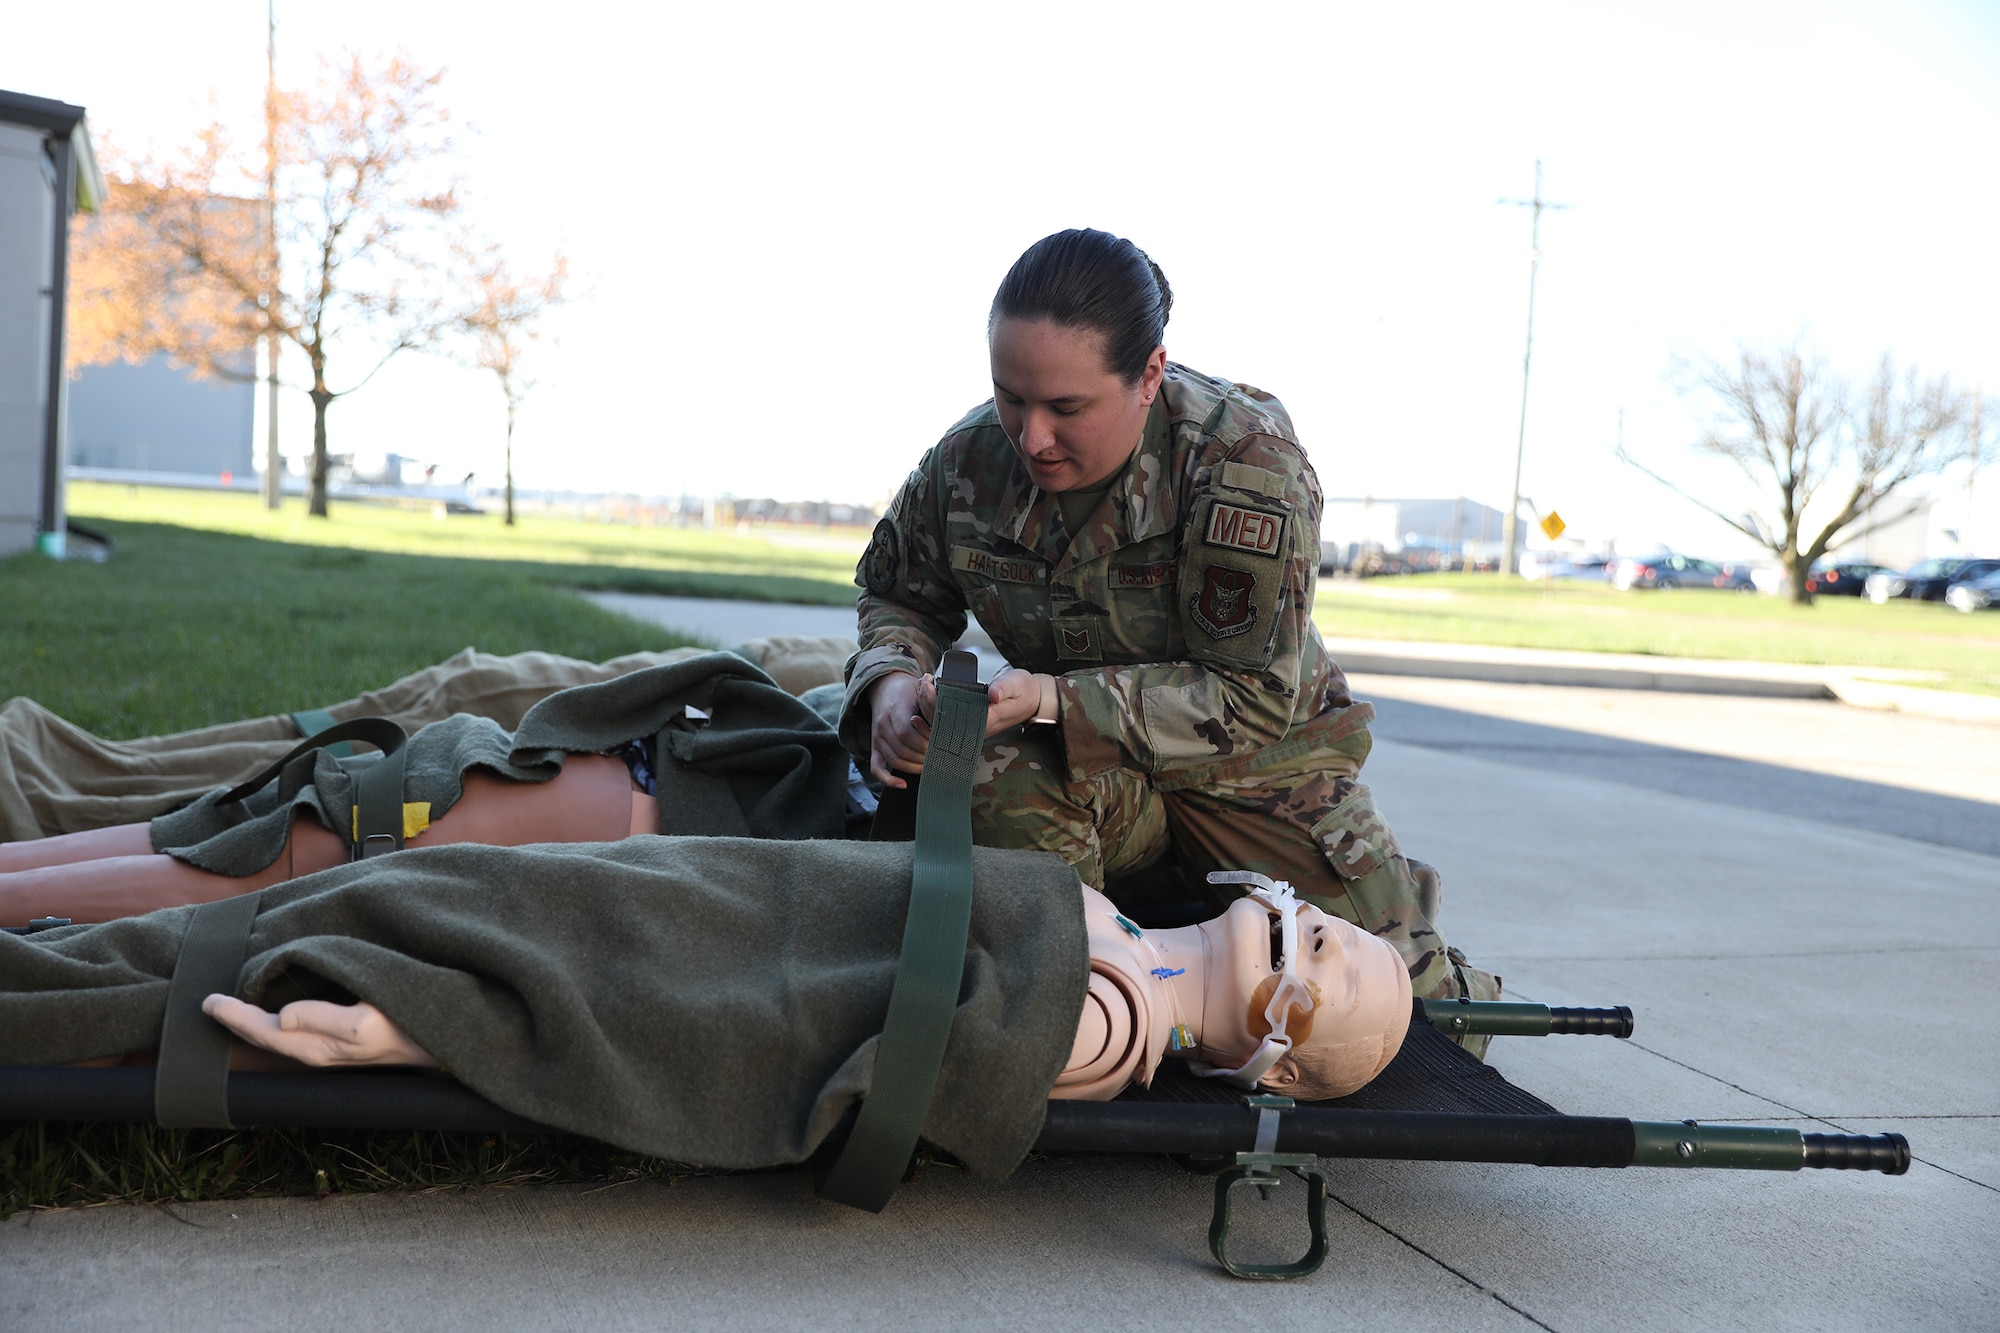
(416, 818)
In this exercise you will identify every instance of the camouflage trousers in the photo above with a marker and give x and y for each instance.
(1293, 811)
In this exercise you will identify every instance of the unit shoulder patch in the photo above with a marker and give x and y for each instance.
(1222, 606)
(1243, 528)
(882, 561)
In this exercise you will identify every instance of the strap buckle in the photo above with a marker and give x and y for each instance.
(1260, 1169)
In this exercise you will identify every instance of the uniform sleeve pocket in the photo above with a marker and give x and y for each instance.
(1231, 580)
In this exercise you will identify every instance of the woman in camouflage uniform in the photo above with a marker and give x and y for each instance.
(1140, 541)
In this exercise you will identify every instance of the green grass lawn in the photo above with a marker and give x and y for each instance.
(183, 628)
(1963, 650)
(768, 565)
(213, 609)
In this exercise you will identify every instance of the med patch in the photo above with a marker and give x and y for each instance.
(1253, 531)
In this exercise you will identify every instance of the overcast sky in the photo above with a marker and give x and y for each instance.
(788, 220)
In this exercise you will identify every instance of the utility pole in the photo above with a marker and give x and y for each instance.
(1537, 204)
(274, 462)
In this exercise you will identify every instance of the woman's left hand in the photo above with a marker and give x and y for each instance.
(1013, 698)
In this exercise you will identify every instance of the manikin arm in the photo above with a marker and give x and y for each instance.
(320, 1033)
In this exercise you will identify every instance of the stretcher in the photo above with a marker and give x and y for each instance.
(1434, 1102)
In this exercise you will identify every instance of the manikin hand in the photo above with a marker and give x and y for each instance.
(319, 1033)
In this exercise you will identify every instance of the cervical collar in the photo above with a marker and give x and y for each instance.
(1291, 990)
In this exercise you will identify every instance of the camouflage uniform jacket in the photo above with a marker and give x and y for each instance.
(1178, 623)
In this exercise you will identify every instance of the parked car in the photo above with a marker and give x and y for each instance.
(1974, 594)
(1547, 565)
(1927, 581)
(1846, 579)
(1668, 570)
(1591, 568)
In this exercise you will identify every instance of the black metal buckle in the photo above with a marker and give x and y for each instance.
(1259, 1170)
(37, 926)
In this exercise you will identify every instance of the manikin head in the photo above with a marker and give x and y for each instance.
(1346, 1005)
(1344, 1001)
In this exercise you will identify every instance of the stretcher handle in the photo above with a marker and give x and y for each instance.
(1887, 1153)
(1512, 1018)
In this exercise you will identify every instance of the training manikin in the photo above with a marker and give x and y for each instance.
(105, 874)
(706, 746)
(1273, 993)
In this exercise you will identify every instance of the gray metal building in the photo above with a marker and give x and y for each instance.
(1457, 527)
(157, 417)
(48, 172)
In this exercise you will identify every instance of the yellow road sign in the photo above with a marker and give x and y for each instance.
(1553, 525)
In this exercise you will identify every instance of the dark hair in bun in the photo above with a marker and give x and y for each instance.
(1084, 279)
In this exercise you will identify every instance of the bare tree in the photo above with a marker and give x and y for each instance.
(1814, 442)
(502, 322)
(362, 214)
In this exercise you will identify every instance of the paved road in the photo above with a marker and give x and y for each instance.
(1916, 777)
(1933, 781)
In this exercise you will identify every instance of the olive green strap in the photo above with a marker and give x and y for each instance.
(191, 1085)
(378, 787)
(932, 966)
(312, 721)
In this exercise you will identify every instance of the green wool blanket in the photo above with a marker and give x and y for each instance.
(737, 756)
(710, 1000)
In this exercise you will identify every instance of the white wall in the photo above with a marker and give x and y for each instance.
(27, 201)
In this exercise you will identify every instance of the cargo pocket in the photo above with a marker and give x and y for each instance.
(1474, 984)
(1383, 896)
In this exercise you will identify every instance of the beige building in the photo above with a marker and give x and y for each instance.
(47, 173)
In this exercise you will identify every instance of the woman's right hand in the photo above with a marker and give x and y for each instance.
(899, 733)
